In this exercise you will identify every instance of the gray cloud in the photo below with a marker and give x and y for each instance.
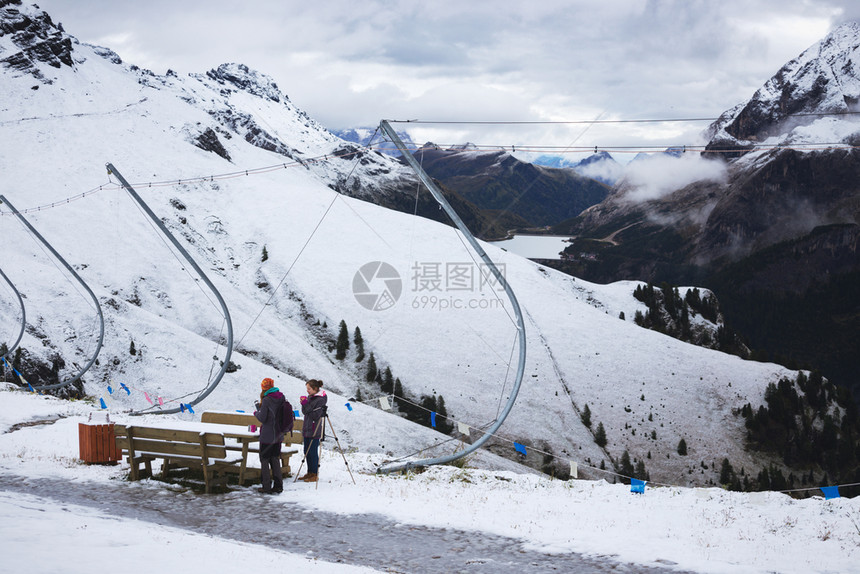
(349, 63)
(654, 177)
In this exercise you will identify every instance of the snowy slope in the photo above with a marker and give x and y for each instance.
(443, 520)
(56, 140)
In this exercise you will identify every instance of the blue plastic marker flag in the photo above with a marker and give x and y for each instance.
(830, 492)
(520, 448)
(102, 401)
(637, 486)
(297, 414)
(190, 410)
(125, 388)
(110, 390)
(432, 419)
(348, 407)
(181, 407)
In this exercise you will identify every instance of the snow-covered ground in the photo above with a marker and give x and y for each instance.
(703, 530)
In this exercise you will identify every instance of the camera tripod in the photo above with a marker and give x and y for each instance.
(321, 428)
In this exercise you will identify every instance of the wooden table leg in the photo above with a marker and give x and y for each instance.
(244, 463)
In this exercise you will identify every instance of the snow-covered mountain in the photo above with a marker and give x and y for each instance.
(364, 136)
(803, 101)
(600, 166)
(193, 147)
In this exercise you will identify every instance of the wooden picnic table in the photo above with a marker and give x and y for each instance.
(242, 435)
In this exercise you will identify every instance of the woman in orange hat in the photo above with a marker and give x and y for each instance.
(269, 407)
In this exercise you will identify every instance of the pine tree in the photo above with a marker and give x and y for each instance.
(342, 342)
(359, 345)
(131, 349)
(626, 468)
(600, 436)
(428, 403)
(265, 255)
(372, 371)
(586, 416)
(387, 381)
(4, 350)
(682, 447)
(398, 388)
(442, 423)
(727, 473)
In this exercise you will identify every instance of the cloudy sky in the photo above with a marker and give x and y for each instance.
(351, 63)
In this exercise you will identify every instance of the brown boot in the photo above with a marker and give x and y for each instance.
(309, 477)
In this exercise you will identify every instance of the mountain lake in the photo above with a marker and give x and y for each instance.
(535, 246)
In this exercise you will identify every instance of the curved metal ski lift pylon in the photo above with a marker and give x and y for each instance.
(214, 383)
(23, 317)
(521, 330)
(86, 287)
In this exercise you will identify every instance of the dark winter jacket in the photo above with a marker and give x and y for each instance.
(272, 404)
(313, 409)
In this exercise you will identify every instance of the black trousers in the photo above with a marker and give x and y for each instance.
(270, 467)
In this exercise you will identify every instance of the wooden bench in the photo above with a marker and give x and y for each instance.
(248, 419)
(178, 449)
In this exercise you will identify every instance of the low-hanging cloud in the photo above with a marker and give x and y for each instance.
(657, 176)
(606, 171)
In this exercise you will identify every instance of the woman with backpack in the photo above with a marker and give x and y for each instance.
(314, 409)
(269, 408)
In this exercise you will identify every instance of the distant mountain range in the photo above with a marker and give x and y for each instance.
(365, 135)
(500, 183)
(768, 217)
(512, 193)
(600, 166)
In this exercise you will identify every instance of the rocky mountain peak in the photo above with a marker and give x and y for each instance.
(825, 79)
(31, 38)
(247, 80)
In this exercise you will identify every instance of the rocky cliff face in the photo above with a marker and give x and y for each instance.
(28, 36)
